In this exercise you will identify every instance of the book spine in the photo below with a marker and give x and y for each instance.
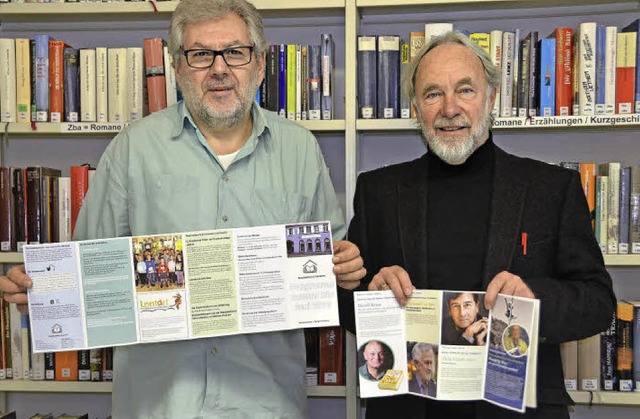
(388, 77)
(328, 61)
(15, 319)
(569, 355)
(602, 203)
(635, 28)
(56, 80)
(613, 219)
(589, 363)
(117, 81)
(102, 88)
(548, 77)
(601, 45)
(506, 84)
(71, 85)
(23, 80)
(405, 102)
(624, 327)
(25, 347)
(34, 205)
(625, 183)
(331, 356)
(6, 230)
(625, 72)
(495, 52)
(515, 73)
(608, 352)
(534, 75)
(88, 85)
(19, 192)
(315, 83)
(155, 74)
(610, 61)
(95, 364)
(170, 78)
(588, 180)
(84, 365)
(634, 211)
(587, 66)
(34, 72)
(107, 364)
(135, 83)
(367, 77)
(291, 82)
(298, 79)
(564, 69)
(79, 179)
(64, 209)
(304, 85)
(282, 80)
(6, 340)
(636, 345)
(49, 366)
(311, 345)
(66, 366)
(273, 72)
(523, 77)
(8, 109)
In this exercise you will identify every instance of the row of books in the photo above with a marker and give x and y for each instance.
(609, 361)
(18, 362)
(299, 79)
(325, 356)
(39, 205)
(45, 80)
(613, 196)
(588, 70)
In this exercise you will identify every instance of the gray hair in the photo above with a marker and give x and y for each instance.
(452, 37)
(195, 11)
(419, 348)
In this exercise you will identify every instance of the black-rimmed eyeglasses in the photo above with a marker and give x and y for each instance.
(204, 58)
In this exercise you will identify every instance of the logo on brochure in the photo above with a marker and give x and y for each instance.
(509, 313)
(161, 304)
(56, 329)
(51, 268)
(310, 267)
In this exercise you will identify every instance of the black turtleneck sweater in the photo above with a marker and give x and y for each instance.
(458, 204)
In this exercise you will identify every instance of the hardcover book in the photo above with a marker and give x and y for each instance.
(388, 77)
(367, 77)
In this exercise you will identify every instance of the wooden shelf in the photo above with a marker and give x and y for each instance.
(10, 257)
(538, 122)
(480, 3)
(55, 386)
(616, 398)
(112, 128)
(326, 391)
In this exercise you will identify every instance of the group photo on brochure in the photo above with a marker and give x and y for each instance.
(214, 259)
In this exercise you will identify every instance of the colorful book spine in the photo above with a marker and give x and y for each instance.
(327, 49)
(23, 80)
(388, 77)
(56, 81)
(601, 45)
(79, 185)
(495, 52)
(155, 74)
(624, 366)
(564, 70)
(634, 211)
(367, 77)
(625, 193)
(635, 27)
(71, 85)
(405, 59)
(626, 72)
(304, 85)
(291, 82)
(547, 77)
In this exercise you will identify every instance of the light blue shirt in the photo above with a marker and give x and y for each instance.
(159, 175)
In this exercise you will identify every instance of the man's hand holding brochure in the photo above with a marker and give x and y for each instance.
(153, 288)
(446, 346)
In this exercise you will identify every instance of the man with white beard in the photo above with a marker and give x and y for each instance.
(468, 216)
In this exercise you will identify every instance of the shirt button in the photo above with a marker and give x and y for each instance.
(225, 178)
(214, 351)
(225, 218)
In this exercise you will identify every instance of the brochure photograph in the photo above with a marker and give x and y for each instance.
(121, 291)
(445, 345)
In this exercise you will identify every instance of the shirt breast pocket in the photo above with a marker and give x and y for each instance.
(277, 207)
(535, 259)
(174, 198)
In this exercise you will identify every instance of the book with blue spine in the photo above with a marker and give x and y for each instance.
(42, 77)
(327, 48)
(548, 77)
(601, 44)
(388, 77)
(635, 27)
(314, 81)
(71, 85)
(367, 77)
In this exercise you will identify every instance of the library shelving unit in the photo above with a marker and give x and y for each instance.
(355, 144)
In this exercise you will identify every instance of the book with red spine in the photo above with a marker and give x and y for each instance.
(154, 72)
(564, 71)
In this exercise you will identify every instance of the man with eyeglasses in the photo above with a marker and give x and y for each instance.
(214, 161)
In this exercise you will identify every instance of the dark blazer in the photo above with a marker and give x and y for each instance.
(563, 264)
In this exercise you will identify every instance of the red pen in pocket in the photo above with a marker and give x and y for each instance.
(524, 244)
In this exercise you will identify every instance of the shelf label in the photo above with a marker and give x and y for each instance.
(92, 126)
(567, 121)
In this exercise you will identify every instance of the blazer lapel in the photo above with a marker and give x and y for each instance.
(507, 205)
(412, 223)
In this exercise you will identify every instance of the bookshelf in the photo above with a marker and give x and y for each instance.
(353, 144)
